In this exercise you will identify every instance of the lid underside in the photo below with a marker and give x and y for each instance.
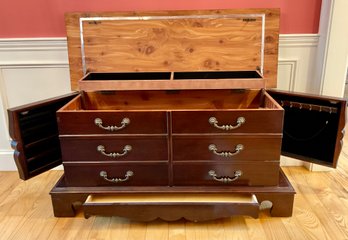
(175, 41)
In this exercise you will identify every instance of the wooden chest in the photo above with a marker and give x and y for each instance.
(174, 118)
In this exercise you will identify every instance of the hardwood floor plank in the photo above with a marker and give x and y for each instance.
(137, 231)
(176, 230)
(118, 228)
(332, 198)
(338, 177)
(32, 208)
(315, 219)
(254, 227)
(72, 228)
(100, 228)
(197, 231)
(157, 229)
(294, 228)
(216, 229)
(11, 179)
(236, 228)
(34, 229)
(275, 229)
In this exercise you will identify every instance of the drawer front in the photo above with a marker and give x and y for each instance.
(103, 174)
(225, 174)
(108, 148)
(243, 121)
(226, 148)
(97, 122)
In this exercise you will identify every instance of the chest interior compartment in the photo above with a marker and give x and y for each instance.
(167, 100)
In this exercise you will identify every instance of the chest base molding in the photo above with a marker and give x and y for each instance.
(174, 203)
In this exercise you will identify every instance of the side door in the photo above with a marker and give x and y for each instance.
(34, 132)
(313, 128)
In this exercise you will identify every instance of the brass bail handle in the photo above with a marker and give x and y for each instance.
(238, 149)
(240, 121)
(237, 174)
(99, 122)
(126, 150)
(104, 175)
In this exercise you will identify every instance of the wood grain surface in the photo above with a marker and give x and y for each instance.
(205, 40)
(172, 44)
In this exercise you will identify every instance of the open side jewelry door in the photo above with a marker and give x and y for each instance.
(313, 126)
(34, 132)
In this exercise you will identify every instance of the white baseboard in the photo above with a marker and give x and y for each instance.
(6, 161)
(287, 161)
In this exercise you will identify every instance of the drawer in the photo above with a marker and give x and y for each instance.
(233, 121)
(171, 206)
(225, 174)
(110, 148)
(226, 148)
(111, 122)
(104, 174)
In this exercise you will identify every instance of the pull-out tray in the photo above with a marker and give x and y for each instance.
(171, 206)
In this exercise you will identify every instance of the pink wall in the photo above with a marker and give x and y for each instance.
(44, 18)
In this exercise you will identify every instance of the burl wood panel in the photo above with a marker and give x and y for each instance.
(174, 41)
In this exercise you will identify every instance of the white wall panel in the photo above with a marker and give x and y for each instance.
(33, 83)
(298, 52)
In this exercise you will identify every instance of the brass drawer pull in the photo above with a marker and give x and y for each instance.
(126, 150)
(237, 174)
(104, 175)
(238, 149)
(213, 121)
(124, 123)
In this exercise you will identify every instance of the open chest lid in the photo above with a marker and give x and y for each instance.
(209, 49)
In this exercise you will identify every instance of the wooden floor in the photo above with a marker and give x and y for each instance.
(320, 212)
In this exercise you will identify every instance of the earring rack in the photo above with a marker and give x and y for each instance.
(310, 107)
